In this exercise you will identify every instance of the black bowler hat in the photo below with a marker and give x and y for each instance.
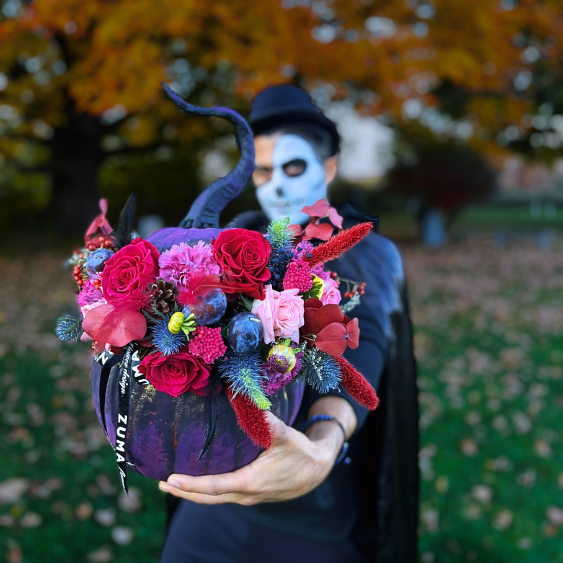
(288, 105)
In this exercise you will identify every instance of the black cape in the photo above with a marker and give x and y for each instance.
(386, 466)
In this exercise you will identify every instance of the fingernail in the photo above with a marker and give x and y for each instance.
(173, 483)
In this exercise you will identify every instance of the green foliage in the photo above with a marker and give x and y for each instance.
(278, 233)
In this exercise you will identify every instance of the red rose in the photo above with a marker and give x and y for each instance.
(128, 272)
(176, 374)
(244, 257)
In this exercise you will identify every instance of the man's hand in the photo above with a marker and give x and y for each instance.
(293, 465)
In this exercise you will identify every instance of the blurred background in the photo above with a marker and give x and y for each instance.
(451, 115)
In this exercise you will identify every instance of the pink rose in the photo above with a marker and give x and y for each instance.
(128, 272)
(281, 313)
(289, 317)
(265, 310)
(176, 374)
(331, 295)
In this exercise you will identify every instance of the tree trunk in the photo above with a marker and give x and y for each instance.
(75, 159)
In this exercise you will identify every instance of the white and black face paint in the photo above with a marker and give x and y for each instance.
(298, 179)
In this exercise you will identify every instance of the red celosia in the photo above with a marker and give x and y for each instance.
(338, 244)
(206, 343)
(251, 419)
(356, 385)
(298, 276)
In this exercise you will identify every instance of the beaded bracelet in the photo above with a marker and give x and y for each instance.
(322, 417)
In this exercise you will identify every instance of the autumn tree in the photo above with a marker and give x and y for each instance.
(80, 81)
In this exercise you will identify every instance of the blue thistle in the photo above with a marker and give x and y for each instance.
(321, 371)
(164, 341)
(279, 236)
(69, 328)
(242, 371)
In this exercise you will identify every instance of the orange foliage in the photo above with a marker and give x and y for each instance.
(382, 51)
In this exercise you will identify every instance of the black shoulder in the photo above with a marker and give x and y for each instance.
(251, 220)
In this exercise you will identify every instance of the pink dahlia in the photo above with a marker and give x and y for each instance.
(206, 343)
(182, 261)
(89, 294)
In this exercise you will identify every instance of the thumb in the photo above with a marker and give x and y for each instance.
(278, 428)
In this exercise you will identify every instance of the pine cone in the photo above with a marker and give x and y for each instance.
(163, 295)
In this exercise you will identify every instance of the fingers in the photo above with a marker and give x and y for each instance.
(211, 485)
(208, 499)
(198, 497)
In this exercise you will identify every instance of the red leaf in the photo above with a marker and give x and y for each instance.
(329, 314)
(335, 218)
(332, 339)
(115, 326)
(100, 224)
(353, 331)
(319, 209)
(322, 231)
(313, 323)
(295, 230)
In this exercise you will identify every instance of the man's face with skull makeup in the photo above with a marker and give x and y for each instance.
(289, 176)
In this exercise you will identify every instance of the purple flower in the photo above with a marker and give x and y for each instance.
(276, 381)
(301, 250)
(182, 261)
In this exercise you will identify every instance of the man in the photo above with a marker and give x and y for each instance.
(357, 512)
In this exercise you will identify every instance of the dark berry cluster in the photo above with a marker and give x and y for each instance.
(280, 258)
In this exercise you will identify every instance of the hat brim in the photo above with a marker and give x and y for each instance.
(271, 120)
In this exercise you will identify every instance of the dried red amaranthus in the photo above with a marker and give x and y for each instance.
(251, 419)
(356, 384)
(338, 244)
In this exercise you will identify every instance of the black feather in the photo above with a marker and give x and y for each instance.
(122, 235)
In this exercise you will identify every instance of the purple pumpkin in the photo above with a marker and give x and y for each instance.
(189, 434)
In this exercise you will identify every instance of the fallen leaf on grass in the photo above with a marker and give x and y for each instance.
(102, 555)
(31, 520)
(555, 515)
(122, 535)
(105, 517)
(503, 520)
(12, 490)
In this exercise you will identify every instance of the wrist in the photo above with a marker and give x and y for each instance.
(328, 436)
(339, 408)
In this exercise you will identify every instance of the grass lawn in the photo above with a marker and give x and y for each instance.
(489, 340)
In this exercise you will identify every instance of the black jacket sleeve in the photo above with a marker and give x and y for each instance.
(376, 262)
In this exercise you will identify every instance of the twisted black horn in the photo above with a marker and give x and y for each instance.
(207, 208)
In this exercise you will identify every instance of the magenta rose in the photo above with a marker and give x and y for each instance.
(176, 374)
(128, 272)
(243, 255)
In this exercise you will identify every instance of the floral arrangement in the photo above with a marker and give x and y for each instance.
(247, 310)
